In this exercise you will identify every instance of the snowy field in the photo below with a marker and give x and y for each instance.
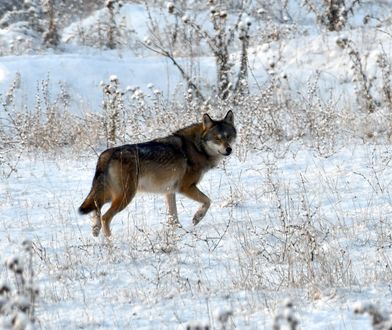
(268, 216)
(298, 235)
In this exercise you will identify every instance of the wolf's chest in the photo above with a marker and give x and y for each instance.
(160, 181)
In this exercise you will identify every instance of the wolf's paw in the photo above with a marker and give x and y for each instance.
(198, 216)
(106, 231)
(173, 221)
(201, 212)
(96, 230)
(195, 221)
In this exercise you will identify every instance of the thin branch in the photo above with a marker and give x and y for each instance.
(159, 50)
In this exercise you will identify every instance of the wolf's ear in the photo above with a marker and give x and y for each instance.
(207, 121)
(229, 118)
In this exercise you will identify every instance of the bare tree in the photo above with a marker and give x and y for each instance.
(50, 36)
(218, 41)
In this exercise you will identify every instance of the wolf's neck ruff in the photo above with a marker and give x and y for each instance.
(197, 141)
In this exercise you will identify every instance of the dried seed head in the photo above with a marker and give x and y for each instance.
(223, 315)
(185, 19)
(109, 4)
(288, 303)
(113, 78)
(28, 245)
(170, 7)
(4, 288)
(23, 303)
(20, 321)
(366, 19)
(223, 14)
(12, 263)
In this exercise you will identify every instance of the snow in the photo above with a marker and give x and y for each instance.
(150, 276)
(84, 72)
(297, 228)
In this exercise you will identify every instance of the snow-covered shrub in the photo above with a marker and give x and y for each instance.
(113, 111)
(50, 36)
(385, 65)
(286, 318)
(30, 12)
(24, 26)
(223, 318)
(371, 80)
(274, 116)
(130, 114)
(332, 14)
(380, 320)
(18, 296)
(49, 126)
(364, 83)
(36, 24)
(106, 29)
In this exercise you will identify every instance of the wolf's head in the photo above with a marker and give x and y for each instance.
(219, 135)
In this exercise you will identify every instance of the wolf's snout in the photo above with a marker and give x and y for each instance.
(228, 151)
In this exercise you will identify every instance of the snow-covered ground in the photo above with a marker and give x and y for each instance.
(84, 72)
(283, 225)
(242, 257)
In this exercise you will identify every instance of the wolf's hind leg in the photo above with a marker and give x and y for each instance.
(96, 226)
(100, 199)
(119, 202)
(172, 209)
(194, 193)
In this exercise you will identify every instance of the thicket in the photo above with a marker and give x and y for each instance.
(271, 113)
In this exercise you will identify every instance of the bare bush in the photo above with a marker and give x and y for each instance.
(384, 63)
(113, 109)
(364, 83)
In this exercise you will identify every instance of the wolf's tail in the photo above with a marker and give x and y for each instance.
(94, 199)
(88, 205)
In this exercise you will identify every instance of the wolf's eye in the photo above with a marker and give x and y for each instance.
(218, 137)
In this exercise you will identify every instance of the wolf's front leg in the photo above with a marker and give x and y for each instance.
(194, 193)
(172, 209)
(201, 212)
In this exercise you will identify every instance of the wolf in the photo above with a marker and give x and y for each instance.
(169, 165)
